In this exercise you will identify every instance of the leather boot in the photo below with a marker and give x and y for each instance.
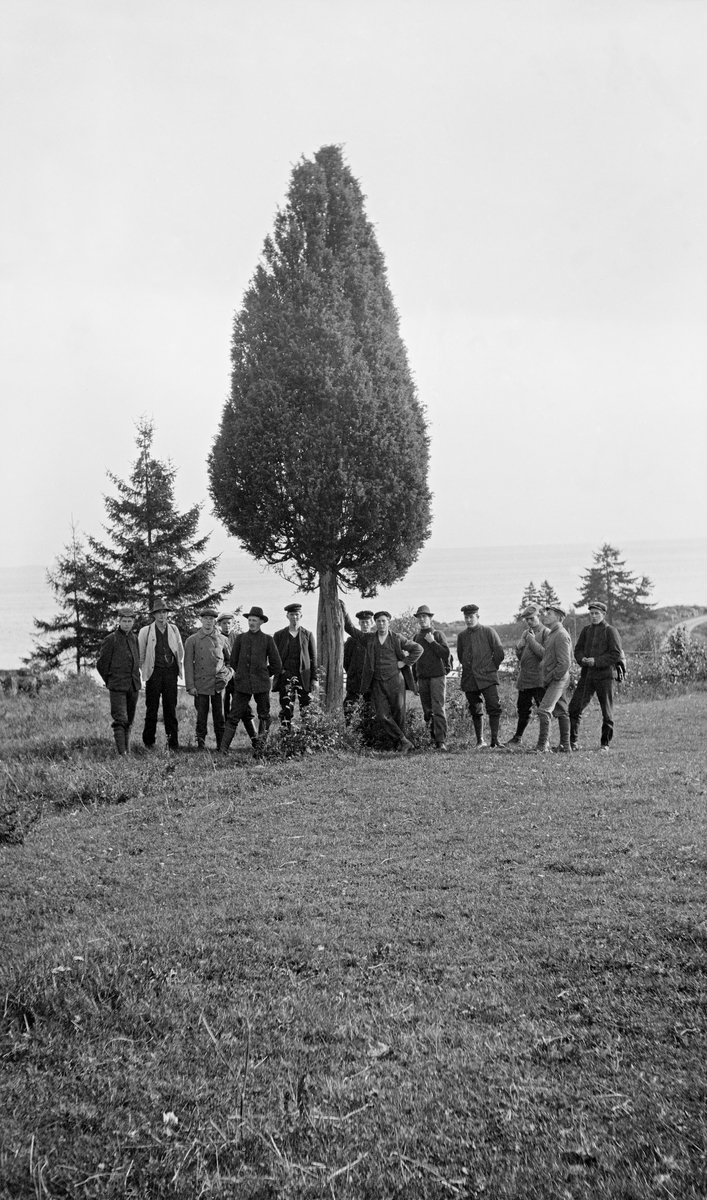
(478, 727)
(119, 736)
(127, 739)
(228, 735)
(494, 723)
(564, 723)
(543, 733)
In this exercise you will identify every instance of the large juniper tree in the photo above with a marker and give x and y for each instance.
(610, 581)
(153, 549)
(320, 464)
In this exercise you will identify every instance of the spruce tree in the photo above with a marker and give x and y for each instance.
(153, 549)
(70, 635)
(320, 464)
(547, 596)
(610, 581)
(531, 595)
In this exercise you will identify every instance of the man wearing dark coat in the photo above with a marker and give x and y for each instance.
(598, 652)
(431, 674)
(119, 667)
(254, 659)
(480, 654)
(298, 652)
(354, 658)
(387, 674)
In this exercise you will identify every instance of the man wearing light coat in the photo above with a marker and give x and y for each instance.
(161, 663)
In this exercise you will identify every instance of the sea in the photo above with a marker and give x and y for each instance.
(494, 577)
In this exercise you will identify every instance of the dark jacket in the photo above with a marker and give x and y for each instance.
(254, 658)
(405, 651)
(307, 657)
(435, 655)
(602, 643)
(354, 658)
(119, 662)
(480, 654)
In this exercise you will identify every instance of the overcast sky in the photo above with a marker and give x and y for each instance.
(537, 174)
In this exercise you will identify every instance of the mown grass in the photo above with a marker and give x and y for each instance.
(468, 975)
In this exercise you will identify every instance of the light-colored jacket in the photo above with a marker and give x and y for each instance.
(147, 640)
(557, 656)
(206, 669)
(530, 653)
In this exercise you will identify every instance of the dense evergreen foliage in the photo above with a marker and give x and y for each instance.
(320, 464)
(71, 634)
(153, 549)
(610, 581)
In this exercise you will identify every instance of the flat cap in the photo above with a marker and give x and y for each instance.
(382, 612)
(470, 608)
(557, 608)
(126, 611)
(365, 614)
(208, 611)
(293, 608)
(225, 617)
(599, 605)
(531, 611)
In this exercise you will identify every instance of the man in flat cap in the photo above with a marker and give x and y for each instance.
(557, 653)
(386, 673)
(298, 652)
(480, 654)
(529, 650)
(206, 672)
(119, 667)
(599, 653)
(228, 628)
(254, 660)
(161, 662)
(430, 671)
(354, 657)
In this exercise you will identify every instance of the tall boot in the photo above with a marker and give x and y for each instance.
(478, 729)
(249, 728)
(119, 736)
(494, 722)
(228, 735)
(564, 722)
(543, 733)
(127, 739)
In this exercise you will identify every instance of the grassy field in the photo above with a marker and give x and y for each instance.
(363, 976)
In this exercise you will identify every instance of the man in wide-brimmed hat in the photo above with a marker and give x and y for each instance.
(206, 672)
(119, 667)
(431, 674)
(387, 674)
(599, 653)
(298, 651)
(254, 660)
(161, 663)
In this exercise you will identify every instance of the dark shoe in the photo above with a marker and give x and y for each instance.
(515, 741)
(543, 748)
(405, 746)
(496, 745)
(442, 746)
(574, 746)
(481, 745)
(174, 747)
(563, 750)
(201, 744)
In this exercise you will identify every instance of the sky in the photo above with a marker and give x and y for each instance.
(537, 175)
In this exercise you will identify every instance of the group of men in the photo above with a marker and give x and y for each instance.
(225, 669)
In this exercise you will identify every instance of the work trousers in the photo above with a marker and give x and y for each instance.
(585, 689)
(433, 693)
(290, 691)
(228, 693)
(241, 711)
(202, 705)
(525, 704)
(162, 685)
(476, 700)
(388, 699)
(122, 711)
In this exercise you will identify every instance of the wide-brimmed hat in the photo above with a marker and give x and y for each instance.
(365, 614)
(424, 611)
(256, 612)
(470, 608)
(382, 612)
(599, 605)
(160, 605)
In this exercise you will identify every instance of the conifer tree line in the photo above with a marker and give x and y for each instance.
(608, 579)
(151, 550)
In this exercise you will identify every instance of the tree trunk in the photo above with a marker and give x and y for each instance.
(330, 644)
